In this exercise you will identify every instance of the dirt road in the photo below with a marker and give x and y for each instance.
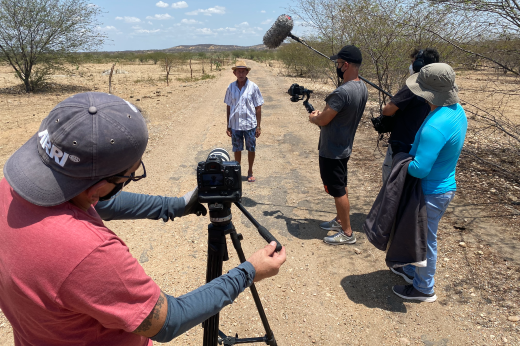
(323, 295)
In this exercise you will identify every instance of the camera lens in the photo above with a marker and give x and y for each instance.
(220, 153)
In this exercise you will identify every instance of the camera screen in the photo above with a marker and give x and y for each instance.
(213, 179)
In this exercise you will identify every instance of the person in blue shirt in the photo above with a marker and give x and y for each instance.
(436, 150)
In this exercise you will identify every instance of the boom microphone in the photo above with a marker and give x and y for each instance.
(281, 28)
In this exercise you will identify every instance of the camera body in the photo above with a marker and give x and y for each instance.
(218, 179)
(383, 123)
(297, 92)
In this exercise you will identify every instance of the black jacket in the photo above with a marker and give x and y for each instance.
(397, 221)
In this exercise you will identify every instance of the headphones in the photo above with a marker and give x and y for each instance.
(418, 63)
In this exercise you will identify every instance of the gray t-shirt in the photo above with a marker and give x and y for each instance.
(336, 137)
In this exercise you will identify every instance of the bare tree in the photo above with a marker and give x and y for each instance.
(36, 35)
(168, 63)
(507, 10)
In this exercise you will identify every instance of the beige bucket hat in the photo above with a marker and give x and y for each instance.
(436, 84)
(240, 64)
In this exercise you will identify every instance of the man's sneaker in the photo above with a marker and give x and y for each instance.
(331, 225)
(340, 238)
(399, 271)
(409, 292)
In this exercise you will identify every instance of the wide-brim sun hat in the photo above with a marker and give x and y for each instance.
(240, 64)
(436, 84)
(84, 139)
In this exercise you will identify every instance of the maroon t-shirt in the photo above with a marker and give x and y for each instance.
(66, 279)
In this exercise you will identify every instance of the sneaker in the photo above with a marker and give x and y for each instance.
(399, 271)
(331, 225)
(340, 238)
(409, 292)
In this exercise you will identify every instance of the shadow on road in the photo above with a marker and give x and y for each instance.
(374, 290)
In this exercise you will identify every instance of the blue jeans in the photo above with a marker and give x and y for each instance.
(436, 205)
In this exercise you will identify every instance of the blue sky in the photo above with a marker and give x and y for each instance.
(160, 24)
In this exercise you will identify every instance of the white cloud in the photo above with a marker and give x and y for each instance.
(135, 27)
(129, 19)
(144, 31)
(161, 4)
(209, 11)
(107, 28)
(190, 21)
(180, 4)
(160, 16)
(262, 11)
(242, 25)
(226, 29)
(205, 31)
(150, 23)
(267, 21)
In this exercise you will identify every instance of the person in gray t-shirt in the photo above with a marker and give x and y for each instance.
(339, 121)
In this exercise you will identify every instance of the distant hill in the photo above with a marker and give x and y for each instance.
(207, 48)
(197, 48)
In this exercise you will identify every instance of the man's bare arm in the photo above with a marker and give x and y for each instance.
(322, 118)
(258, 111)
(389, 109)
(155, 320)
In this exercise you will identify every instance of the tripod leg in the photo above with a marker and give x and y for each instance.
(271, 341)
(217, 253)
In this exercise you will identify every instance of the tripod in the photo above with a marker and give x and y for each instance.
(221, 225)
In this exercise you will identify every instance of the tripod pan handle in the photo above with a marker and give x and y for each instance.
(269, 237)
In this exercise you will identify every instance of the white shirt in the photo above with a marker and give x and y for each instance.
(242, 103)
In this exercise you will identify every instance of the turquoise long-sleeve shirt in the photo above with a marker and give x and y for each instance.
(437, 148)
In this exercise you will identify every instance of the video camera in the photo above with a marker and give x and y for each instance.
(297, 93)
(219, 180)
(383, 123)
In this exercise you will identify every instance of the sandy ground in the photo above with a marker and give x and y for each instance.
(323, 295)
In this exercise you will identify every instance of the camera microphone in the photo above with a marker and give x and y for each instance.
(280, 30)
(219, 153)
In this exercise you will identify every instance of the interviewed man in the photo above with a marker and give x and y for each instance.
(339, 121)
(65, 278)
(244, 114)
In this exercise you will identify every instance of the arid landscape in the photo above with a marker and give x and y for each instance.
(323, 295)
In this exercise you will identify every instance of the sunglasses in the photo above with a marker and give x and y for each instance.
(139, 174)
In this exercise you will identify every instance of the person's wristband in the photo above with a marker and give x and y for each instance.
(259, 128)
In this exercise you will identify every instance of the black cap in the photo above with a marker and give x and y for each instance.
(349, 54)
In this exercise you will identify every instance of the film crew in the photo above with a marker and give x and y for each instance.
(409, 112)
(339, 121)
(435, 150)
(244, 114)
(65, 278)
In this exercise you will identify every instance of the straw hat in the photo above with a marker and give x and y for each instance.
(436, 84)
(240, 64)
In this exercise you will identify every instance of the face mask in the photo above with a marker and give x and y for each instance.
(410, 69)
(339, 72)
(115, 191)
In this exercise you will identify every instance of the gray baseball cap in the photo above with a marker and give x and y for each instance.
(85, 138)
(435, 83)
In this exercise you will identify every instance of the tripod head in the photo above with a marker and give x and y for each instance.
(220, 215)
